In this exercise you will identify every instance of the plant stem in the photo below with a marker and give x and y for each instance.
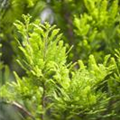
(43, 101)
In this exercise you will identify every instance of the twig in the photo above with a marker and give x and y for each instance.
(22, 110)
(43, 101)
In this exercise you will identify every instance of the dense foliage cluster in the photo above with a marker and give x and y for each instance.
(59, 60)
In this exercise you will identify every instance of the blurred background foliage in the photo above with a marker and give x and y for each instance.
(91, 27)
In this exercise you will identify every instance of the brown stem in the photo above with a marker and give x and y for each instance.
(43, 101)
(21, 109)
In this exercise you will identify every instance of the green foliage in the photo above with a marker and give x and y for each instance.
(54, 88)
(44, 69)
(56, 81)
(84, 92)
(98, 29)
(10, 10)
(14, 8)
